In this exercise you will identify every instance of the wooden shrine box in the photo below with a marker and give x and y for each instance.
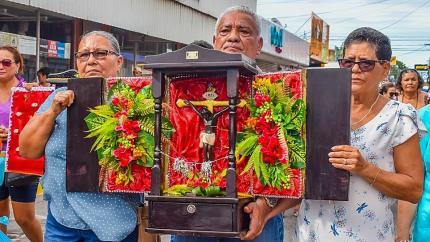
(82, 166)
(197, 216)
(328, 97)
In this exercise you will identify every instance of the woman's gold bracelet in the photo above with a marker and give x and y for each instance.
(376, 176)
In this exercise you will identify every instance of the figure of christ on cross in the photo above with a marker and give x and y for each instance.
(207, 137)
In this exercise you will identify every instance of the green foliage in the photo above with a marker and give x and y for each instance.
(279, 178)
(254, 161)
(396, 69)
(103, 121)
(178, 190)
(296, 151)
(288, 114)
(184, 190)
(210, 191)
(245, 147)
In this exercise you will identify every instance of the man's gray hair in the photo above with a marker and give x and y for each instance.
(241, 9)
(112, 40)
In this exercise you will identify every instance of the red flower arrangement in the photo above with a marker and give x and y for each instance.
(124, 134)
(273, 141)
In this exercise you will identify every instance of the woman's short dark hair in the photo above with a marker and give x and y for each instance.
(403, 72)
(372, 36)
(44, 71)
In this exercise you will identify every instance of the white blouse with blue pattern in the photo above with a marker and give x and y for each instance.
(367, 216)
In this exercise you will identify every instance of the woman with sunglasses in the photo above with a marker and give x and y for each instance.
(77, 216)
(22, 197)
(383, 157)
(388, 90)
(410, 83)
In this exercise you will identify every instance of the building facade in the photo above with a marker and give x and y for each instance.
(47, 31)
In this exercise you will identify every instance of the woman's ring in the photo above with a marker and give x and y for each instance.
(345, 161)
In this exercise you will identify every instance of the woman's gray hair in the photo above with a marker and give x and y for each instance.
(241, 9)
(112, 40)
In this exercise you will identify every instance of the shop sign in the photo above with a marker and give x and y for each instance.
(8, 39)
(276, 38)
(280, 43)
(319, 39)
(43, 47)
(421, 67)
(60, 50)
(52, 48)
(27, 45)
(67, 48)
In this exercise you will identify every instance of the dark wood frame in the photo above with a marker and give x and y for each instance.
(328, 93)
(82, 166)
(190, 215)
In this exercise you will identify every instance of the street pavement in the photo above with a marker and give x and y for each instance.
(16, 234)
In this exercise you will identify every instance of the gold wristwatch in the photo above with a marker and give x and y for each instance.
(270, 202)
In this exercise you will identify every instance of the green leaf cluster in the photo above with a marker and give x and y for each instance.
(289, 114)
(101, 123)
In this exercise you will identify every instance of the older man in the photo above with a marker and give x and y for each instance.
(238, 31)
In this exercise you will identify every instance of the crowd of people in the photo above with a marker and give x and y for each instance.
(387, 158)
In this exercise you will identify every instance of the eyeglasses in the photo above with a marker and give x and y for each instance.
(6, 62)
(392, 94)
(365, 65)
(98, 54)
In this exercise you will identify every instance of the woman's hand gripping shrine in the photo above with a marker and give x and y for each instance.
(61, 101)
(347, 158)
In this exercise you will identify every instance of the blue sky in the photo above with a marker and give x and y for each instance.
(407, 23)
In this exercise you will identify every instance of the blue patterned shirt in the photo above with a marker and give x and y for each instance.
(109, 216)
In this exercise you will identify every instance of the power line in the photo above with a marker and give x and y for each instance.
(412, 51)
(303, 25)
(407, 15)
(335, 10)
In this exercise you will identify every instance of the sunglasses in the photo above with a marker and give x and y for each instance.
(392, 94)
(6, 62)
(364, 65)
(98, 54)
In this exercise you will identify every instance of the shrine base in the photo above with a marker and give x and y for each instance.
(197, 216)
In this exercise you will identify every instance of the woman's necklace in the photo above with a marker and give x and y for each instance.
(370, 109)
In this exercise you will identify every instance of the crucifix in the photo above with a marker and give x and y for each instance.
(210, 119)
(207, 137)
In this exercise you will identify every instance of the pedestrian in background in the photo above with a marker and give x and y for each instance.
(42, 77)
(410, 83)
(388, 90)
(77, 216)
(22, 197)
(137, 71)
